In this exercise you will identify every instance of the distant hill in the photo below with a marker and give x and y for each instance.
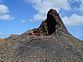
(50, 42)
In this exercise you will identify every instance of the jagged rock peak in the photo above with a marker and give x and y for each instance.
(52, 25)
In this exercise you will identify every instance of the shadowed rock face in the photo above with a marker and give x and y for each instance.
(51, 22)
(50, 42)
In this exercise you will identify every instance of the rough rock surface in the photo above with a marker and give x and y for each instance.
(50, 42)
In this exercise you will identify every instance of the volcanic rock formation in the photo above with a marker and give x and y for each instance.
(53, 24)
(50, 42)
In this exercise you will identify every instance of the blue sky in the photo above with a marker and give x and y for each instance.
(18, 16)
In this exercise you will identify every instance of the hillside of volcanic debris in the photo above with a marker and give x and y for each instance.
(50, 42)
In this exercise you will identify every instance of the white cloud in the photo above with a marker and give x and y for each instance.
(42, 6)
(23, 21)
(2, 34)
(3, 9)
(81, 5)
(73, 20)
(4, 13)
(6, 17)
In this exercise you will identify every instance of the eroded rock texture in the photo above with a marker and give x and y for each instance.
(50, 42)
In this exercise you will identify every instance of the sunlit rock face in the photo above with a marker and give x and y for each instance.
(50, 42)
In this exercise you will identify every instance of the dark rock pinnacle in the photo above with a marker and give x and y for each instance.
(53, 24)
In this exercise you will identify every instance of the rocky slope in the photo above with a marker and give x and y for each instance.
(50, 42)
